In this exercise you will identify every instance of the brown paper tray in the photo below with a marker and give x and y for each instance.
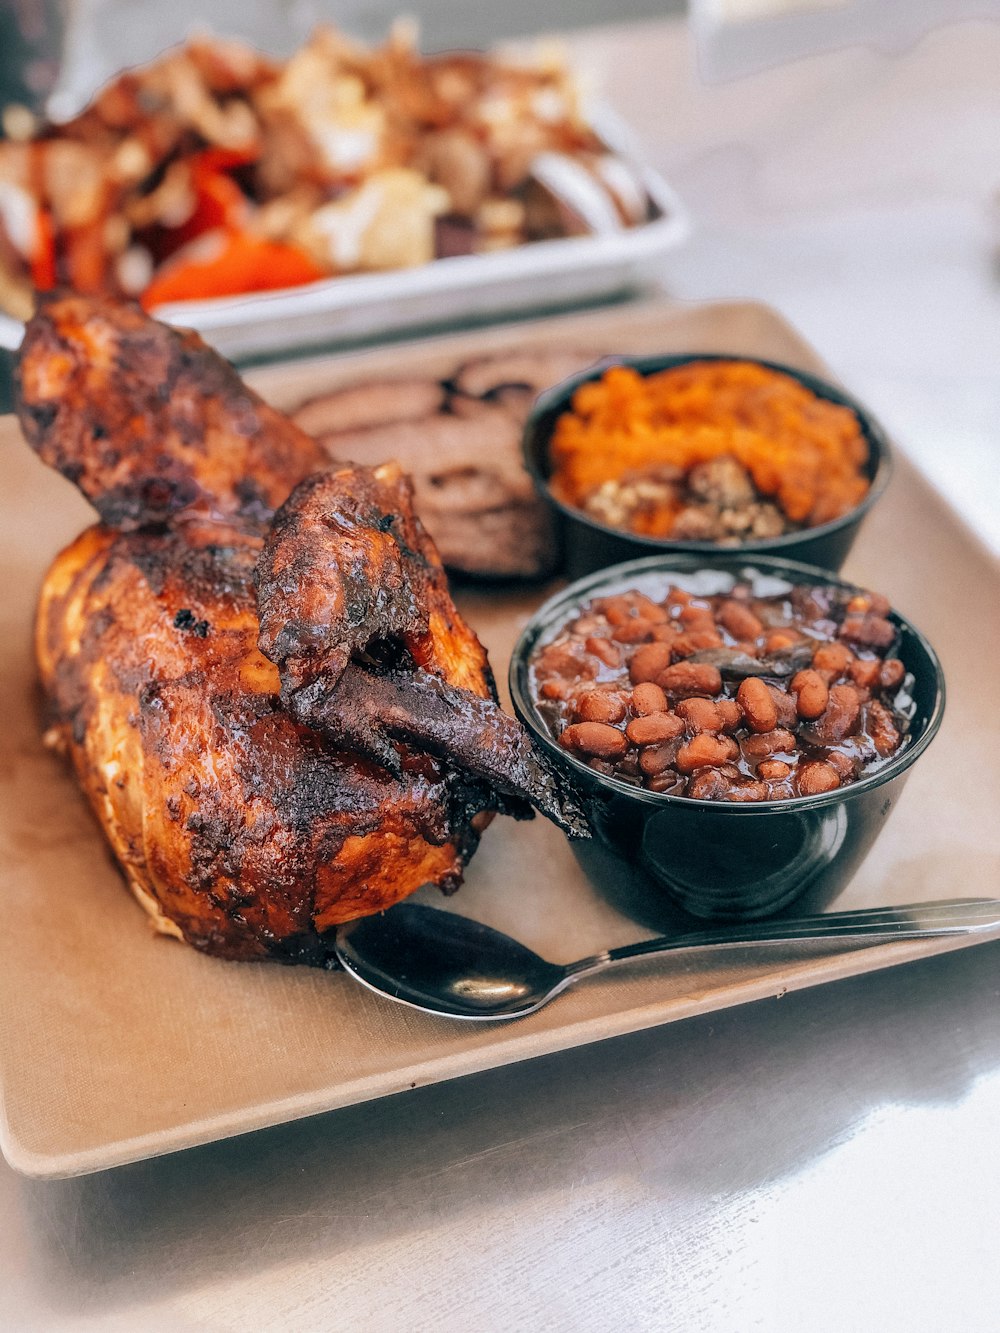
(117, 1045)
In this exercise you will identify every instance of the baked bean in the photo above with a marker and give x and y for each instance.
(695, 641)
(816, 777)
(709, 785)
(648, 698)
(646, 607)
(767, 743)
(585, 626)
(647, 662)
(811, 694)
(784, 704)
(739, 620)
(840, 717)
(868, 631)
(662, 721)
(700, 714)
(566, 659)
(665, 632)
(748, 791)
(705, 751)
(617, 610)
(730, 713)
(655, 759)
(694, 616)
(691, 678)
(654, 728)
(835, 657)
(873, 602)
(597, 739)
(605, 651)
(842, 763)
(882, 728)
(864, 671)
(758, 707)
(780, 639)
(600, 706)
(636, 630)
(892, 674)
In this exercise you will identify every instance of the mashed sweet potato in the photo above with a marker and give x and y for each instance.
(804, 455)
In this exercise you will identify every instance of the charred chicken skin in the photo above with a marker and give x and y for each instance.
(275, 709)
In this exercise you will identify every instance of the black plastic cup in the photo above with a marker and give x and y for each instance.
(587, 545)
(723, 860)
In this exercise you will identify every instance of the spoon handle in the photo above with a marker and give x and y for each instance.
(906, 921)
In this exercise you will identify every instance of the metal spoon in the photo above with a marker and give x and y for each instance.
(447, 964)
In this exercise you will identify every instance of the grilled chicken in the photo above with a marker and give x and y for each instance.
(280, 718)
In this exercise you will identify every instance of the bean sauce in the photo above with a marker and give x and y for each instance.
(730, 696)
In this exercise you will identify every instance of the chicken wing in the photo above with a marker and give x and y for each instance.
(355, 612)
(152, 425)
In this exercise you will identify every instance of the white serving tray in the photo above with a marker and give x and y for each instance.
(543, 275)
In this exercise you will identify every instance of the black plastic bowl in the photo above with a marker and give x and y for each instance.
(717, 859)
(588, 545)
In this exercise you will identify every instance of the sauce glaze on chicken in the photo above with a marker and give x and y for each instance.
(280, 719)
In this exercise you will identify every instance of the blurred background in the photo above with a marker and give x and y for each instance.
(85, 42)
(68, 47)
(838, 159)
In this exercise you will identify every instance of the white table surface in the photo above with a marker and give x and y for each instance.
(826, 1162)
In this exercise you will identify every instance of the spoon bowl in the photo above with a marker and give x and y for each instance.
(447, 964)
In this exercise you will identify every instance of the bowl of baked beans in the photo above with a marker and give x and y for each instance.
(741, 731)
(703, 454)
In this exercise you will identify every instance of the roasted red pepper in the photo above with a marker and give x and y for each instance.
(43, 261)
(244, 263)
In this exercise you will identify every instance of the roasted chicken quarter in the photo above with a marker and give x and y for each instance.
(275, 709)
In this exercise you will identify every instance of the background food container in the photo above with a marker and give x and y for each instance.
(590, 545)
(483, 288)
(717, 859)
